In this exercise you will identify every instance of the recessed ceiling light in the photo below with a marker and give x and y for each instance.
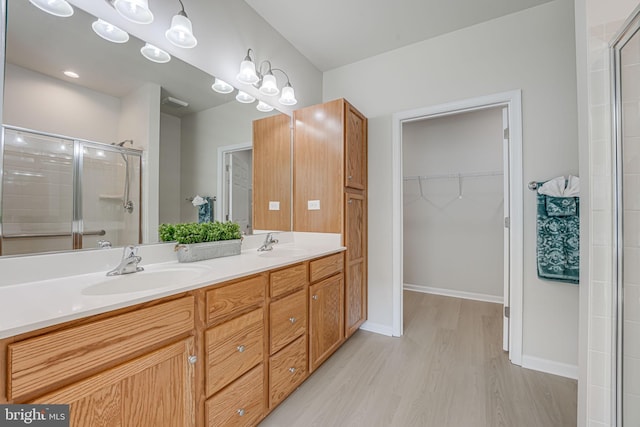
(71, 74)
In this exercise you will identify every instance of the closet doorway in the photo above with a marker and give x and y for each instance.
(458, 206)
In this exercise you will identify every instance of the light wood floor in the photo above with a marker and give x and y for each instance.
(447, 370)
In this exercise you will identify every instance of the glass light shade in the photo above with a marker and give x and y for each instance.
(244, 97)
(134, 10)
(269, 86)
(264, 107)
(288, 96)
(155, 54)
(181, 32)
(109, 32)
(247, 72)
(54, 7)
(221, 86)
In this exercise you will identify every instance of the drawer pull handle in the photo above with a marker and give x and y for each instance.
(240, 412)
(292, 370)
(292, 320)
(241, 348)
(192, 359)
(315, 297)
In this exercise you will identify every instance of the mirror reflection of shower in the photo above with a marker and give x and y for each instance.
(127, 204)
(60, 193)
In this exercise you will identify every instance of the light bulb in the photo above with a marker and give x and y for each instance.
(134, 10)
(244, 97)
(155, 54)
(288, 96)
(221, 86)
(264, 107)
(54, 7)
(269, 86)
(109, 32)
(181, 32)
(247, 72)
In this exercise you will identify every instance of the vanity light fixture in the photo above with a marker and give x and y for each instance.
(265, 81)
(181, 31)
(221, 86)
(264, 107)
(134, 10)
(244, 97)
(54, 7)
(109, 31)
(155, 54)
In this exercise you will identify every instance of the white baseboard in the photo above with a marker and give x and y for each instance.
(378, 328)
(550, 366)
(453, 293)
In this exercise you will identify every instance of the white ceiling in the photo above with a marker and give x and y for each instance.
(332, 33)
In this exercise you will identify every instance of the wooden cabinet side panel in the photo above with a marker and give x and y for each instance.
(272, 172)
(318, 167)
(155, 389)
(62, 356)
(355, 297)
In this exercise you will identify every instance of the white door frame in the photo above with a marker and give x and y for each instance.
(222, 151)
(513, 101)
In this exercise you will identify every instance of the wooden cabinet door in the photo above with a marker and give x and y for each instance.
(326, 319)
(355, 144)
(355, 269)
(156, 389)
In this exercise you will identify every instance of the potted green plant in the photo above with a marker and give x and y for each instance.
(200, 241)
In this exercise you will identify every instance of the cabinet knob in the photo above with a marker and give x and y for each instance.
(292, 320)
(240, 412)
(192, 359)
(292, 370)
(241, 348)
(350, 201)
(315, 297)
(349, 177)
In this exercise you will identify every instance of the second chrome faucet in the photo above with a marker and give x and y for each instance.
(128, 263)
(269, 241)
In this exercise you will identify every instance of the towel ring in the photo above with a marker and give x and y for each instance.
(533, 186)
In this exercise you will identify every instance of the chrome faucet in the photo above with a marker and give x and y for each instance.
(128, 263)
(104, 244)
(268, 243)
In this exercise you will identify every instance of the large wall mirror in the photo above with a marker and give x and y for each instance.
(120, 147)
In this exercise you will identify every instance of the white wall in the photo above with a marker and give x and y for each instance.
(454, 243)
(202, 134)
(38, 102)
(533, 50)
(597, 22)
(169, 186)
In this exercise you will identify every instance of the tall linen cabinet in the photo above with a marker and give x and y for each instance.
(330, 191)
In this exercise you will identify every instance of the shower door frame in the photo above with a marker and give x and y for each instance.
(630, 29)
(77, 224)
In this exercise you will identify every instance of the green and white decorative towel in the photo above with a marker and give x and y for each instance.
(558, 241)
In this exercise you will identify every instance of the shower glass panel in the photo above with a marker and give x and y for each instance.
(627, 120)
(61, 194)
(110, 196)
(37, 193)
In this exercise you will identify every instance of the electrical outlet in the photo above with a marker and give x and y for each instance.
(313, 205)
(274, 206)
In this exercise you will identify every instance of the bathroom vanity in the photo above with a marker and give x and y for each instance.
(220, 354)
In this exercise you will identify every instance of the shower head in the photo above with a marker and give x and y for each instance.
(121, 143)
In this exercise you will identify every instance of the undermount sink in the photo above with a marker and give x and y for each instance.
(280, 252)
(144, 280)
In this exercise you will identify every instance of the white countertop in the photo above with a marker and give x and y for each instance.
(33, 305)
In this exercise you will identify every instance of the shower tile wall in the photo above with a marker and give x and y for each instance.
(631, 229)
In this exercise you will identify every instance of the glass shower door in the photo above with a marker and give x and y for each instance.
(37, 193)
(110, 196)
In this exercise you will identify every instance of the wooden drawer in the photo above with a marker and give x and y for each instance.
(325, 267)
(233, 348)
(287, 370)
(241, 404)
(227, 300)
(40, 362)
(288, 280)
(287, 320)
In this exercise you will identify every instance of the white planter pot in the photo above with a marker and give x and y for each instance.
(207, 250)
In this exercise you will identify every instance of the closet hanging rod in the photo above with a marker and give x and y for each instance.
(453, 175)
